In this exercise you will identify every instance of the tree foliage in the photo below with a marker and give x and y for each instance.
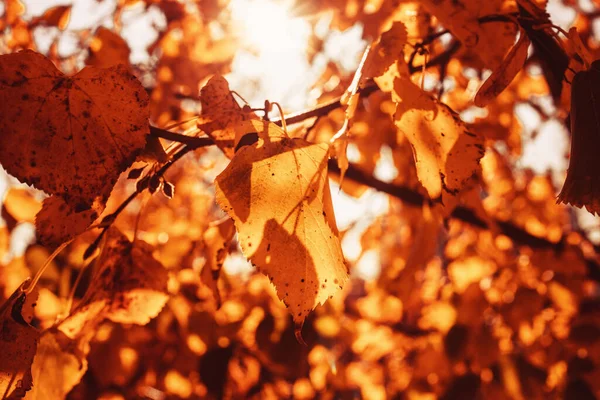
(160, 237)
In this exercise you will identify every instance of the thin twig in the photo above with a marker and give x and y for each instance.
(143, 183)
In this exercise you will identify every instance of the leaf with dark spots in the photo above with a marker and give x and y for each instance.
(280, 221)
(58, 222)
(47, 141)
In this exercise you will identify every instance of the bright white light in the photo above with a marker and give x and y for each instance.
(269, 27)
(272, 63)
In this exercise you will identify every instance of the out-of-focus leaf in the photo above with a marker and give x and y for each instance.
(502, 76)
(18, 344)
(107, 49)
(56, 16)
(216, 241)
(129, 286)
(58, 366)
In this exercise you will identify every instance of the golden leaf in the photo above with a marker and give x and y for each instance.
(277, 192)
(446, 153)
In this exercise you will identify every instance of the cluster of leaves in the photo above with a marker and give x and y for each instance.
(487, 287)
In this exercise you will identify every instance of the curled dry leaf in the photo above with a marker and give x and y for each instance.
(18, 341)
(129, 286)
(581, 187)
(220, 113)
(502, 76)
(277, 192)
(446, 153)
(75, 134)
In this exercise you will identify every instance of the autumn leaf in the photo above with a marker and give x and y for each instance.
(579, 188)
(446, 153)
(56, 16)
(21, 205)
(57, 222)
(221, 113)
(58, 365)
(18, 341)
(107, 48)
(489, 41)
(75, 134)
(387, 50)
(503, 75)
(129, 286)
(277, 192)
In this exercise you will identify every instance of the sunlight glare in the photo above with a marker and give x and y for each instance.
(268, 26)
(273, 63)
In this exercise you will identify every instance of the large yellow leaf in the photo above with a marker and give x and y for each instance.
(446, 153)
(277, 192)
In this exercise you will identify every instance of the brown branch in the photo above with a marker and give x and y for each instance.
(409, 196)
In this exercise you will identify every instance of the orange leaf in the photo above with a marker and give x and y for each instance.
(277, 192)
(18, 341)
(57, 222)
(107, 48)
(69, 136)
(129, 286)
(386, 51)
(502, 76)
(56, 16)
(58, 366)
(446, 153)
(216, 239)
(220, 112)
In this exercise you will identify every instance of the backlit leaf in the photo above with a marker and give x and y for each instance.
(57, 222)
(277, 192)
(221, 112)
(386, 51)
(446, 153)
